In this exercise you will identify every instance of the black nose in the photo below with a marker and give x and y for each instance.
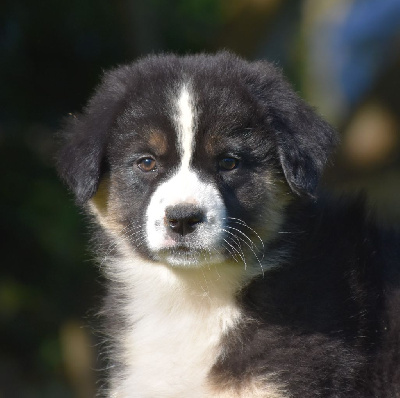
(184, 218)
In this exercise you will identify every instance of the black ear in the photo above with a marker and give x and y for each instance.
(81, 158)
(304, 141)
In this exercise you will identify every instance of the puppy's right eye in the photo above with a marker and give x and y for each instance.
(228, 163)
(147, 164)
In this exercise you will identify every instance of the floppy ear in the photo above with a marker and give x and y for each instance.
(304, 141)
(81, 159)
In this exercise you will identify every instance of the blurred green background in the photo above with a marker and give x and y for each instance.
(342, 56)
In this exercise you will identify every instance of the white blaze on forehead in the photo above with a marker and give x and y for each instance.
(184, 186)
(185, 124)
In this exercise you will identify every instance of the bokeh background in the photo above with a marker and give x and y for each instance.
(343, 56)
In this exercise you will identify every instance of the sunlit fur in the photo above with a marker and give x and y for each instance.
(239, 281)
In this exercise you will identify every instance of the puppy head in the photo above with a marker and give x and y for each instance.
(181, 158)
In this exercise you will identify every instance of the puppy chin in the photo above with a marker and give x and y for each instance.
(187, 257)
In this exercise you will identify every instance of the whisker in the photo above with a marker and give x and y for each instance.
(121, 231)
(136, 232)
(216, 270)
(207, 261)
(127, 233)
(241, 222)
(242, 233)
(291, 232)
(250, 247)
(230, 252)
(206, 292)
(249, 242)
(240, 254)
(140, 241)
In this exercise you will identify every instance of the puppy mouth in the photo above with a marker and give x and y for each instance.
(180, 248)
(189, 253)
(178, 242)
(182, 255)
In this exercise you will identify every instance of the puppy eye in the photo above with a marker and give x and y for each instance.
(147, 164)
(228, 163)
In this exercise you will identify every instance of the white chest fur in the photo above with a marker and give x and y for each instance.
(176, 319)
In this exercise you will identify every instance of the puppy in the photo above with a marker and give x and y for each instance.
(228, 277)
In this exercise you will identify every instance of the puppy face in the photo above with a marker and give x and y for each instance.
(187, 184)
(201, 157)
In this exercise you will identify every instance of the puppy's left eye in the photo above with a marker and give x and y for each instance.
(147, 164)
(228, 163)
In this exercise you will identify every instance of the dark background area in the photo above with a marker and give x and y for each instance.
(343, 58)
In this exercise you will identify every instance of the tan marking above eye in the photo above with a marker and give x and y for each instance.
(158, 141)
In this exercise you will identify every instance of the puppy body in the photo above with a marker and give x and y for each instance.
(169, 340)
(226, 278)
(173, 338)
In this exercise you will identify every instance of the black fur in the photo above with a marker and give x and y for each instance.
(304, 141)
(326, 321)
